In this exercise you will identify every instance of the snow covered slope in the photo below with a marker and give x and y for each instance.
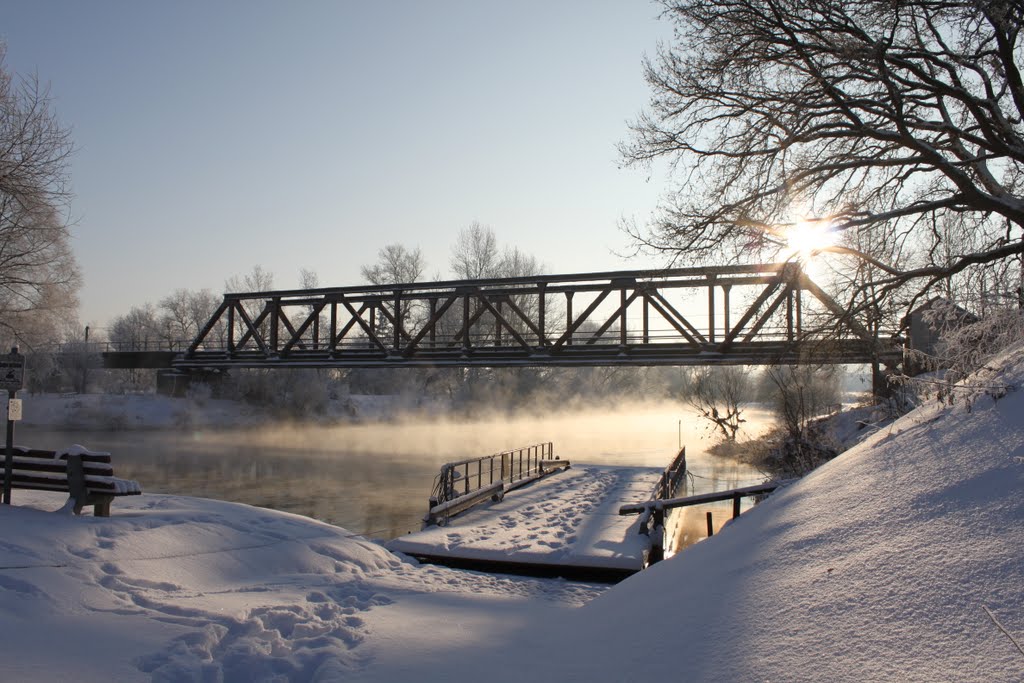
(900, 560)
(891, 563)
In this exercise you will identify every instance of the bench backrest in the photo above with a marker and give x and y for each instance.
(48, 470)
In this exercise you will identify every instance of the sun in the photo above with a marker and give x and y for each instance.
(806, 239)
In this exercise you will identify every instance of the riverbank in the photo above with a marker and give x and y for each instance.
(899, 560)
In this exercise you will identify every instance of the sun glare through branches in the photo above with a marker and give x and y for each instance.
(806, 240)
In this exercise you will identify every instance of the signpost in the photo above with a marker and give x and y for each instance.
(12, 378)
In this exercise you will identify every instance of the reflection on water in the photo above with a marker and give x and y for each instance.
(375, 478)
(686, 526)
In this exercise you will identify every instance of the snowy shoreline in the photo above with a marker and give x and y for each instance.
(899, 560)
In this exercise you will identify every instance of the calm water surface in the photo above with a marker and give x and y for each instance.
(375, 478)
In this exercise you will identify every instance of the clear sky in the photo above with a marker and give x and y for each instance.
(215, 136)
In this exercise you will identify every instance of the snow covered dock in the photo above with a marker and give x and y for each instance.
(565, 524)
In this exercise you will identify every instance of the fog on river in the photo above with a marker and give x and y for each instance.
(375, 478)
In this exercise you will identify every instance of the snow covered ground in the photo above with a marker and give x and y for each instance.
(183, 589)
(900, 560)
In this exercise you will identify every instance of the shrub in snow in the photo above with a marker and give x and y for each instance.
(291, 393)
(783, 455)
(963, 349)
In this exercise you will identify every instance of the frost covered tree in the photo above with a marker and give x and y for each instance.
(39, 277)
(136, 330)
(877, 120)
(476, 255)
(395, 264)
(183, 313)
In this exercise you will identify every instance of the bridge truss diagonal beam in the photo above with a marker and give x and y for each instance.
(766, 313)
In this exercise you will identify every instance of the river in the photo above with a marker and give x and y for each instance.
(374, 478)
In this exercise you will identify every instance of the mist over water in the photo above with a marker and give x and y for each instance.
(374, 478)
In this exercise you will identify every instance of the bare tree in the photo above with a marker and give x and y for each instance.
(308, 279)
(395, 265)
(39, 278)
(259, 279)
(876, 118)
(801, 393)
(184, 312)
(475, 254)
(718, 394)
(136, 330)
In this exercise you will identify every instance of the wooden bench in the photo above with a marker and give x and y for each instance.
(87, 476)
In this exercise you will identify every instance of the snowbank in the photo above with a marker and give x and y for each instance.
(884, 565)
(184, 589)
(899, 560)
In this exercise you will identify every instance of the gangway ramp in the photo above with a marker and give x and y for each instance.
(567, 524)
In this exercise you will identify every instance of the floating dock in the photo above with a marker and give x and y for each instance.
(566, 524)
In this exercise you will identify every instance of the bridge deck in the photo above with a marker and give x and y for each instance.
(567, 523)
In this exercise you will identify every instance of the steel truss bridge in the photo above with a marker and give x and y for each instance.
(757, 314)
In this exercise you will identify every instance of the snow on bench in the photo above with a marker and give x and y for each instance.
(88, 476)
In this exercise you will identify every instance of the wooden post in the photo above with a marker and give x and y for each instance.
(657, 553)
(735, 506)
(711, 527)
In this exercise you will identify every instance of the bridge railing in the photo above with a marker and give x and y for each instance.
(139, 346)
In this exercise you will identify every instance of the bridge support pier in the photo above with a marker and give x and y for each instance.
(881, 385)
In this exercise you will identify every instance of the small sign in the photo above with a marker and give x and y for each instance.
(14, 409)
(12, 372)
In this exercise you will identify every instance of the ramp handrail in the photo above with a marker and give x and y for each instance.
(488, 475)
(670, 478)
(652, 512)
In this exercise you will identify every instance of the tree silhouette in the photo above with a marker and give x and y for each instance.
(887, 121)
